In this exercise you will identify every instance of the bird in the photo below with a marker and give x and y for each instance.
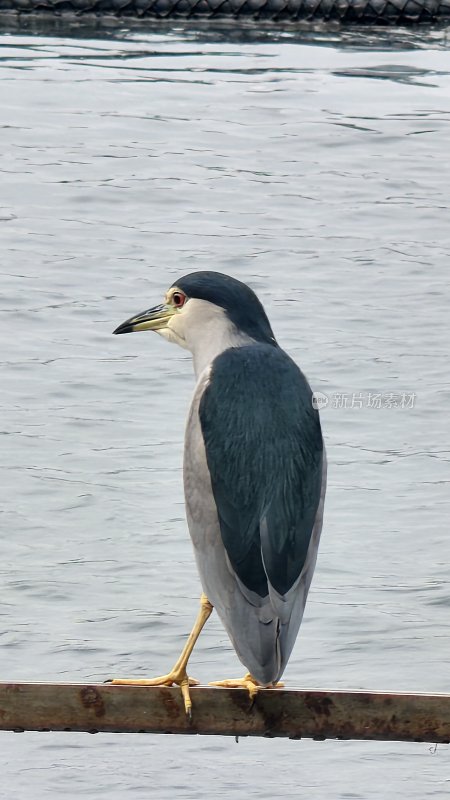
(254, 475)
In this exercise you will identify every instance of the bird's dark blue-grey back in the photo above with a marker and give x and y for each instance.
(264, 452)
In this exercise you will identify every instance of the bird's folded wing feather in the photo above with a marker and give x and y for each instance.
(264, 452)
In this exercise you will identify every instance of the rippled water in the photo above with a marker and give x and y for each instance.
(315, 167)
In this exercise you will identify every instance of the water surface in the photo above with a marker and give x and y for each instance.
(315, 167)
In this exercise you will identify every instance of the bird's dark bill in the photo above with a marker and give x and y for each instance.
(151, 320)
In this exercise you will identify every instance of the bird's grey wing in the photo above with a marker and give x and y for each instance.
(264, 452)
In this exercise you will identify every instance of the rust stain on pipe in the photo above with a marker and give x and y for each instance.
(91, 698)
(318, 704)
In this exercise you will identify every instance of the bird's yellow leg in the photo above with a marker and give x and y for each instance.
(178, 674)
(247, 682)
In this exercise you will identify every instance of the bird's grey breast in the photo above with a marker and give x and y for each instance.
(200, 505)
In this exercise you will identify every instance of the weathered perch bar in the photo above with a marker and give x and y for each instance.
(317, 714)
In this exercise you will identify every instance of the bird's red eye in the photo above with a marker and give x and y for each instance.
(178, 299)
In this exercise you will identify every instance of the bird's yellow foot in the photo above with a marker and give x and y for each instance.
(178, 674)
(175, 677)
(247, 682)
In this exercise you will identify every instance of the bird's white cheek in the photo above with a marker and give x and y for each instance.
(173, 331)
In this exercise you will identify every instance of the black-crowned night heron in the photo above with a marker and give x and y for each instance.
(254, 473)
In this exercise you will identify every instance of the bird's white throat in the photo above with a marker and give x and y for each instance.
(205, 330)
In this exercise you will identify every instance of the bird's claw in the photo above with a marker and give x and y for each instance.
(239, 683)
(247, 682)
(184, 686)
(173, 678)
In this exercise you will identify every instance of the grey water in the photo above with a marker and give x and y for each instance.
(315, 167)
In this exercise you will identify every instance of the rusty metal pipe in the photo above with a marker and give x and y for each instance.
(321, 714)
